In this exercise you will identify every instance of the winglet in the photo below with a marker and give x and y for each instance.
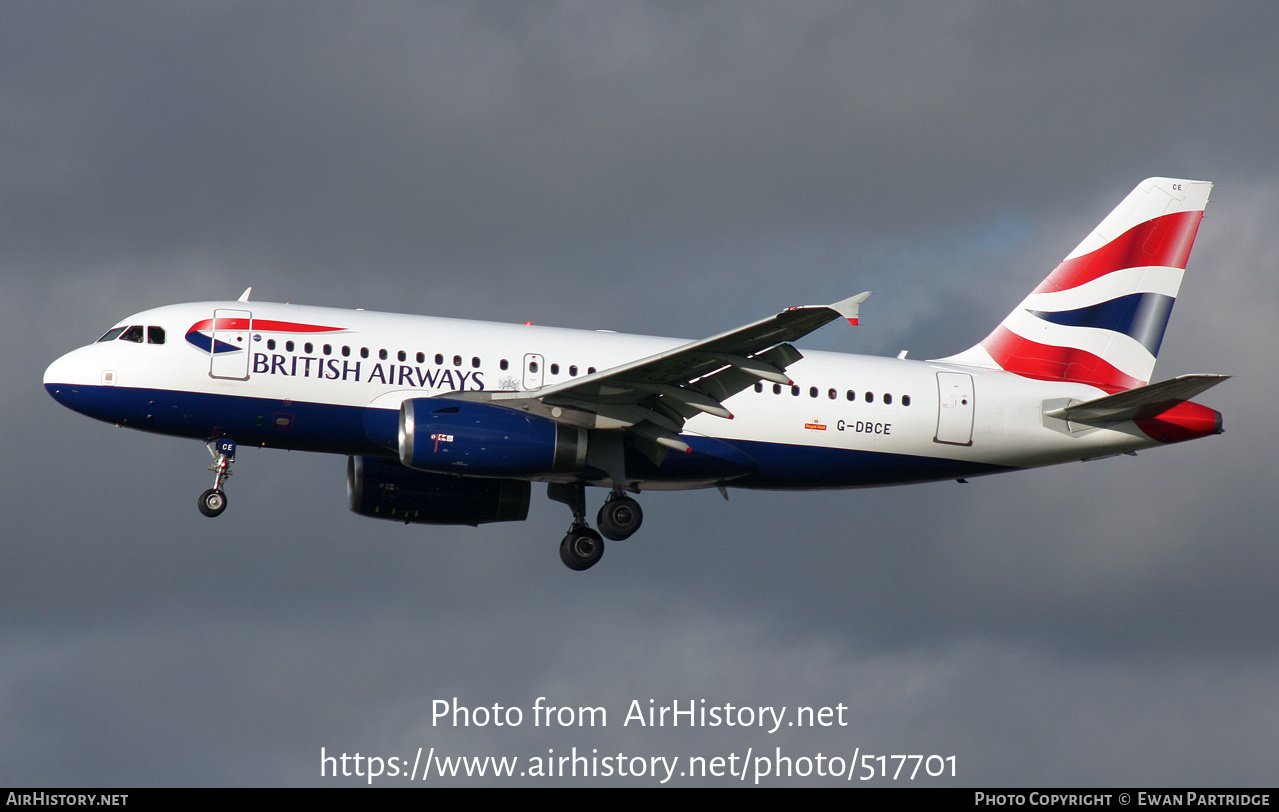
(244, 297)
(848, 307)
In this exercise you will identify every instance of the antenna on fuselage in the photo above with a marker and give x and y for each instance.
(244, 297)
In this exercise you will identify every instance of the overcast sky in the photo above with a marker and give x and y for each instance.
(666, 168)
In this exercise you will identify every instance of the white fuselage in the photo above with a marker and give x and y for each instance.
(848, 420)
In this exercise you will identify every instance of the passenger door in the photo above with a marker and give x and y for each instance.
(229, 353)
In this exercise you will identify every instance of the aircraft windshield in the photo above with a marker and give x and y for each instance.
(134, 333)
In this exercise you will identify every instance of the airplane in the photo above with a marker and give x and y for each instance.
(448, 421)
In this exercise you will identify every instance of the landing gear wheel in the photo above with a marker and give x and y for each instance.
(581, 548)
(212, 502)
(619, 518)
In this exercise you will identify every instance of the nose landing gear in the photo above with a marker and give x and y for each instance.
(213, 501)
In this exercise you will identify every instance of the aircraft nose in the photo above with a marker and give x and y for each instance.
(64, 376)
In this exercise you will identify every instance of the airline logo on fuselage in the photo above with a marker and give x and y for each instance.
(289, 364)
(200, 334)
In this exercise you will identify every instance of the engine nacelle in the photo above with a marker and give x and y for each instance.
(480, 439)
(384, 489)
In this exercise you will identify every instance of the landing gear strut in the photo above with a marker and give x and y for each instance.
(213, 501)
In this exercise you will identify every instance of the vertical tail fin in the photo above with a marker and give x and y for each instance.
(1100, 316)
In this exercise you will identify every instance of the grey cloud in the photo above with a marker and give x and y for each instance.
(657, 168)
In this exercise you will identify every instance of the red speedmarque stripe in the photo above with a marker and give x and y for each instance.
(1047, 363)
(1165, 240)
(263, 324)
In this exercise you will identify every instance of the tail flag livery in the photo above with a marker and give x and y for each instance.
(1100, 316)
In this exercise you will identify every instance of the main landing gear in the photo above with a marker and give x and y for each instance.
(213, 501)
(581, 547)
(618, 519)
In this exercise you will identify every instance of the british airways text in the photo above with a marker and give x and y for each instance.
(335, 369)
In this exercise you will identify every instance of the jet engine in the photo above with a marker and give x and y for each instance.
(384, 489)
(480, 439)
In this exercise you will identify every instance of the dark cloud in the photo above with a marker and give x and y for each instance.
(658, 168)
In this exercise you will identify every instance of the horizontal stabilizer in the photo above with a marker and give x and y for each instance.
(1140, 403)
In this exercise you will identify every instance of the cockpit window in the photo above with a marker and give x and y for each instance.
(112, 334)
(155, 335)
(133, 334)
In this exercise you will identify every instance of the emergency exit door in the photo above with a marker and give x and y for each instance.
(533, 371)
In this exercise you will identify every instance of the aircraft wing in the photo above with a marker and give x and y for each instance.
(652, 397)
